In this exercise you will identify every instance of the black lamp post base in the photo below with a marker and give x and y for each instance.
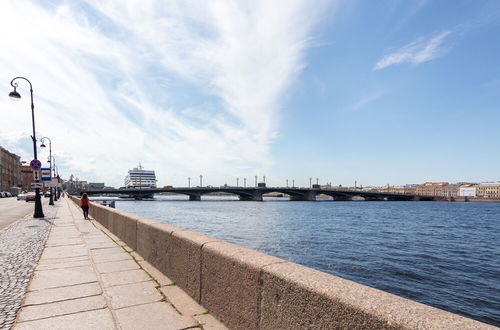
(39, 215)
(51, 201)
(38, 205)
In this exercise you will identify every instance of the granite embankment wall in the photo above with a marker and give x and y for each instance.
(246, 289)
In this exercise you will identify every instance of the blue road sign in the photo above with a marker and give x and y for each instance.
(36, 164)
(45, 174)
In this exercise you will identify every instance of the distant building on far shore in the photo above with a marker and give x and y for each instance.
(488, 189)
(406, 189)
(467, 190)
(431, 188)
(410, 188)
(394, 190)
(450, 190)
(96, 185)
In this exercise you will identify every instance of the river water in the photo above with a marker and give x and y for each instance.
(442, 254)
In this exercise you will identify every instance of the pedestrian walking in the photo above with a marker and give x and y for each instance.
(84, 204)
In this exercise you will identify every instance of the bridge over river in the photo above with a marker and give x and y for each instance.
(257, 193)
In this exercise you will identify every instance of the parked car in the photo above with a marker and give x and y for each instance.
(30, 198)
(3, 194)
(15, 191)
(21, 197)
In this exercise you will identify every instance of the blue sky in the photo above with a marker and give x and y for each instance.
(375, 91)
(408, 122)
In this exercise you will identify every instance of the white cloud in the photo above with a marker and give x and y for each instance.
(184, 87)
(419, 51)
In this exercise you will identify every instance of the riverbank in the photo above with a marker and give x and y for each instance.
(250, 290)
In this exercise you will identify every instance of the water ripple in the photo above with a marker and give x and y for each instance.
(442, 254)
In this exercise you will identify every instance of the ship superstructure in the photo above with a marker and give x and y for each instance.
(138, 177)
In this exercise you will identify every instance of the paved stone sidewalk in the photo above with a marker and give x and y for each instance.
(21, 245)
(88, 279)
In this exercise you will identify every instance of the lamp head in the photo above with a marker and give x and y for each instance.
(42, 145)
(14, 95)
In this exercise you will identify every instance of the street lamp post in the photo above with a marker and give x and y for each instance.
(256, 181)
(51, 201)
(310, 182)
(189, 182)
(237, 182)
(287, 183)
(16, 96)
(293, 183)
(53, 159)
(57, 193)
(201, 180)
(245, 182)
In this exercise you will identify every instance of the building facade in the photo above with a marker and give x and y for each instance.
(406, 189)
(410, 188)
(467, 191)
(431, 189)
(10, 173)
(26, 177)
(450, 190)
(96, 185)
(488, 189)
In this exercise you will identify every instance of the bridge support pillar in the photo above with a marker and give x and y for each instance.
(195, 197)
(374, 198)
(308, 196)
(256, 197)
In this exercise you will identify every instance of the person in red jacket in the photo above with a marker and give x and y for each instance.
(84, 204)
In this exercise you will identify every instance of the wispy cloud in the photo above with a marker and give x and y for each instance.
(419, 51)
(367, 99)
(184, 87)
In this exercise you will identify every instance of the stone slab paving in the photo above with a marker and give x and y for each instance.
(87, 278)
(21, 245)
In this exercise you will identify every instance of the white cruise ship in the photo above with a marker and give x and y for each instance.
(140, 178)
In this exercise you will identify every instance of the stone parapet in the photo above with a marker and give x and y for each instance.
(246, 289)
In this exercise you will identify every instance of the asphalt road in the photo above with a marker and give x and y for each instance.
(12, 210)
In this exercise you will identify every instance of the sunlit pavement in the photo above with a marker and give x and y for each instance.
(86, 278)
(12, 210)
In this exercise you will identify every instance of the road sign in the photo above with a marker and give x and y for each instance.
(36, 175)
(36, 164)
(45, 174)
(37, 185)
